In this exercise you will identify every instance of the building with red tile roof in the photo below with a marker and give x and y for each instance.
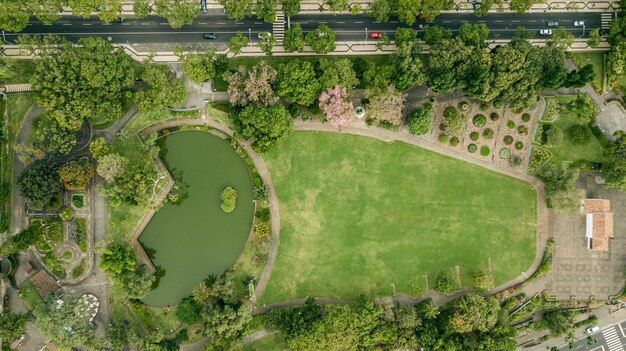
(599, 223)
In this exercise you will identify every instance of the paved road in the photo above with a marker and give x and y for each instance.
(612, 338)
(348, 27)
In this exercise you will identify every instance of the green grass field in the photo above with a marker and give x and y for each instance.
(597, 60)
(360, 216)
(274, 342)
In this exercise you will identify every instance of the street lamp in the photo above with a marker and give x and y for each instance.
(249, 34)
(365, 33)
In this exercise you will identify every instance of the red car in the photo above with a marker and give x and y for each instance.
(376, 35)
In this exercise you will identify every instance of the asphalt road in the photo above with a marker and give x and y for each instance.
(347, 27)
(612, 338)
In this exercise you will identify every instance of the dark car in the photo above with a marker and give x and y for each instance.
(209, 36)
(118, 20)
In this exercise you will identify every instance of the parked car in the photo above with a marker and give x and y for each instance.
(376, 35)
(591, 330)
(545, 31)
(264, 35)
(552, 24)
(209, 36)
(579, 23)
(118, 20)
(203, 6)
(475, 5)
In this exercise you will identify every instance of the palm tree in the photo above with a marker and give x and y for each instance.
(200, 294)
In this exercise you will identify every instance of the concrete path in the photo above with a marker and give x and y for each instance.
(111, 131)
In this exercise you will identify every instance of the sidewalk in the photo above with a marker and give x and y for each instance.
(317, 6)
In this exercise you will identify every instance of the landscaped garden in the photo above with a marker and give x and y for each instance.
(362, 216)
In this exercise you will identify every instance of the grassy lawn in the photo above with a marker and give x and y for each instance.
(597, 60)
(360, 216)
(568, 151)
(274, 342)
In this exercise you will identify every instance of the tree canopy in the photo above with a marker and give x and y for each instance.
(267, 125)
(38, 183)
(297, 82)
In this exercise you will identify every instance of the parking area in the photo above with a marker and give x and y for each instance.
(611, 338)
(579, 272)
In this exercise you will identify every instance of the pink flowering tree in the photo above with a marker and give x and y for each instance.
(337, 110)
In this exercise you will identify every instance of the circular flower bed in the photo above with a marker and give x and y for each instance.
(508, 140)
(522, 130)
(510, 124)
(497, 104)
(525, 117)
(442, 127)
(494, 116)
(454, 141)
(472, 148)
(463, 105)
(488, 133)
(67, 214)
(505, 153)
(484, 150)
(474, 136)
(479, 120)
(443, 138)
(519, 145)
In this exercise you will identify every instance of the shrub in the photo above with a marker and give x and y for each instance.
(519, 145)
(229, 199)
(494, 116)
(508, 140)
(428, 106)
(188, 312)
(484, 150)
(497, 103)
(419, 121)
(446, 282)
(263, 214)
(474, 136)
(510, 124)
(67, 214)
(579, 134)
(454, 141)
(505, 153)
(479, 120)
(552, 110)
(515, 160)
(293, 109)
(453, 120)
(538, 158)
(518, 110)
(443, 138)
(526, 117)
(443, 127)
(484, 106)
(549, 135)
(523, 130)
(262, 229)
(463, 105)
(76, 174)
(488, 133)
(78, 200)
(482, 280)
(472, 148)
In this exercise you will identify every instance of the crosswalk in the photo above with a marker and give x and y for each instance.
(606, 19)
(612, 339)
(278, 27)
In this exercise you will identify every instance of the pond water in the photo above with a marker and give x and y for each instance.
(190, 240)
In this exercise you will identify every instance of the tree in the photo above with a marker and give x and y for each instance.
(296, 82)
(237, 9)
(336, 5)
(38, 183)
(474, 34)
(336, 72)
(408, 10)
(267, 125)
(47, 11)
(560, 188)
(559, 322)
(405, 35)
(434, 35)
(266, 44)
(199, 67)
(111, 166)
(380, 10)
(385, 105)
(521, 5)
(188, 312)
(419, 121)
(62, 323)
(616, 60)
(138, 283)
(237, 42)
(321, 40)
(84, 81)
(264, 10)
(252, 86)
(117, 260)
(51, 138)
(581, 77)
(200, 294)
(141, 8)
(337, 110)
(178, 12)
(21, 241)
(482, 279)
(110, 10)
(12, 325)
(562, 38)
(161, 92)
(84, 8)
(408, 66)
(294, 39)
(474, 313)
(76, 175)
(291, 7)
(594, 38)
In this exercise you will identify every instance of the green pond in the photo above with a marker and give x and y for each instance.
(190, 240)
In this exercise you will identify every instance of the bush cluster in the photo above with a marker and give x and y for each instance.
(484, 150)
(579, 134)
(479, 120)
(229, 199)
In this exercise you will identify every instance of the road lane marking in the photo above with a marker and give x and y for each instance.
(358, 22)
(394, 22)
(322, 22)
(258, 22)
(446, 21)
(239, 23)
(532, 21)
(203, 23)
(341, 22)
(221, 23)
(622, 330)
(163, 23)
(86, 24)
(515, 21)
(498, 21)
(67, 24)
(601, 348)
(124, 24)
(145, 24)
(463, 21)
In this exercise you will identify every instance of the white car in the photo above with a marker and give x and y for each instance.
(545, 31)
(264, 35)
(579, 23)
(591, 330)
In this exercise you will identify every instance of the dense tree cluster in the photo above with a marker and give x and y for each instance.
(614, 167)
(162, 90)
(12, 325)
(201, 67)
(76, 174)
(267, 125)
(408, 11)
(58, 320)
(38, 183)
(23, 240)
(560, 188)
(119, 262)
